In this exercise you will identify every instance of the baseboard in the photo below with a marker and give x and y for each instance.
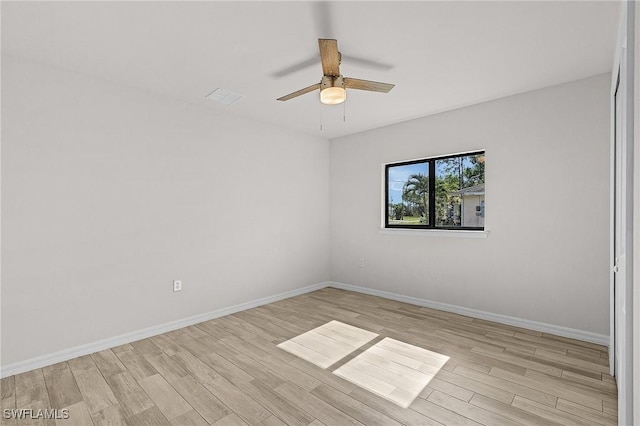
(67, 354)
(586, 336)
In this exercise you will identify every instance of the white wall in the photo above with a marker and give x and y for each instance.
(546, 258)
(110, 193)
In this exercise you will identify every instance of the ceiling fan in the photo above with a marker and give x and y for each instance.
(333, 85)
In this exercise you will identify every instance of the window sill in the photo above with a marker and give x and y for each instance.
(446, 233)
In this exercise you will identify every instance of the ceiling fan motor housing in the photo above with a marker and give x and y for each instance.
(332, 91)
(331, 81)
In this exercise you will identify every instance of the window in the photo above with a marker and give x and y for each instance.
(436, 193)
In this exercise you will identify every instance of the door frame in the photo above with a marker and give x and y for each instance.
(615, 83)
(636, 222)
(621, 282)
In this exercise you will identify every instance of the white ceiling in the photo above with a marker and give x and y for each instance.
(440, 55)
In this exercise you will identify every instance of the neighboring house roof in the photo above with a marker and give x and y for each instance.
(472, 190)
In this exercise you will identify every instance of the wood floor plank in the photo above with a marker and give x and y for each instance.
(122, 348)
(239, 321)
(567, 361)
(194, 366)
(30, 388)
(230, 371)
(196, 346)
(165, 366)
(61, 386)
(226, 324)
(270, 348)
(109, 416)
(592, 396)
(306, 353)
(610, 407)
(323, 376)
(196, 332)
(165, 397)
(366, 323)
(8, 403)
(449, 389)
(83, 363)
(261, 315)
(166, 344)
(145, 346)
(250, 366)
(469, 411)
(510, 343)
(507, 410)
(545, 384)
(270, 362)
(78, 416)
(573, 342)
(239, 402)
(95, 390)
(277, 332)
(477, 386)
(504, 328)
(206, 405)
(275, 403)
(132, 398)
(150, 417)
(394, 374)
(549, 413)
(191, 418)
(136, 364)
(273, 421)
(547, 340)
(213, 330)
(231, 420)
(589, 414)
(524, 362)
(602, 385)
(314, 406)
(590, 357)
(508, 386)
(8, 387)
(35, 407)
(441, 414)
(108, 363)
(226, 368)
(352, 407)
(608, 378)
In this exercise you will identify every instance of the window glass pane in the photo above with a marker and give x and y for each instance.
(460, 191)
(408, 194)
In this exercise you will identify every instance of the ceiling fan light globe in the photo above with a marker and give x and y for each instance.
(333, 95)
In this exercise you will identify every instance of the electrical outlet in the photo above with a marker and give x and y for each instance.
(177, 285)
(361, 262)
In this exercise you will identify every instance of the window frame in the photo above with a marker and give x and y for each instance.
(431, 161)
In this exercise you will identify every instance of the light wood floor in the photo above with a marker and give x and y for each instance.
(229, 371)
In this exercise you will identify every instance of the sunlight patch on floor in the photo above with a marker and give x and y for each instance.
(394, 370)
(327, 344)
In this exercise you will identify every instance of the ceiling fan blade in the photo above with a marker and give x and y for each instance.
(299, 92)
(368, 63)
(373, 86)
(295, 67)
(329, 56)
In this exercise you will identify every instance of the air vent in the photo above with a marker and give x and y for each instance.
(224, 96)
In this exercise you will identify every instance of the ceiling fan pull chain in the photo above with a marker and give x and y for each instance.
(344, 112)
